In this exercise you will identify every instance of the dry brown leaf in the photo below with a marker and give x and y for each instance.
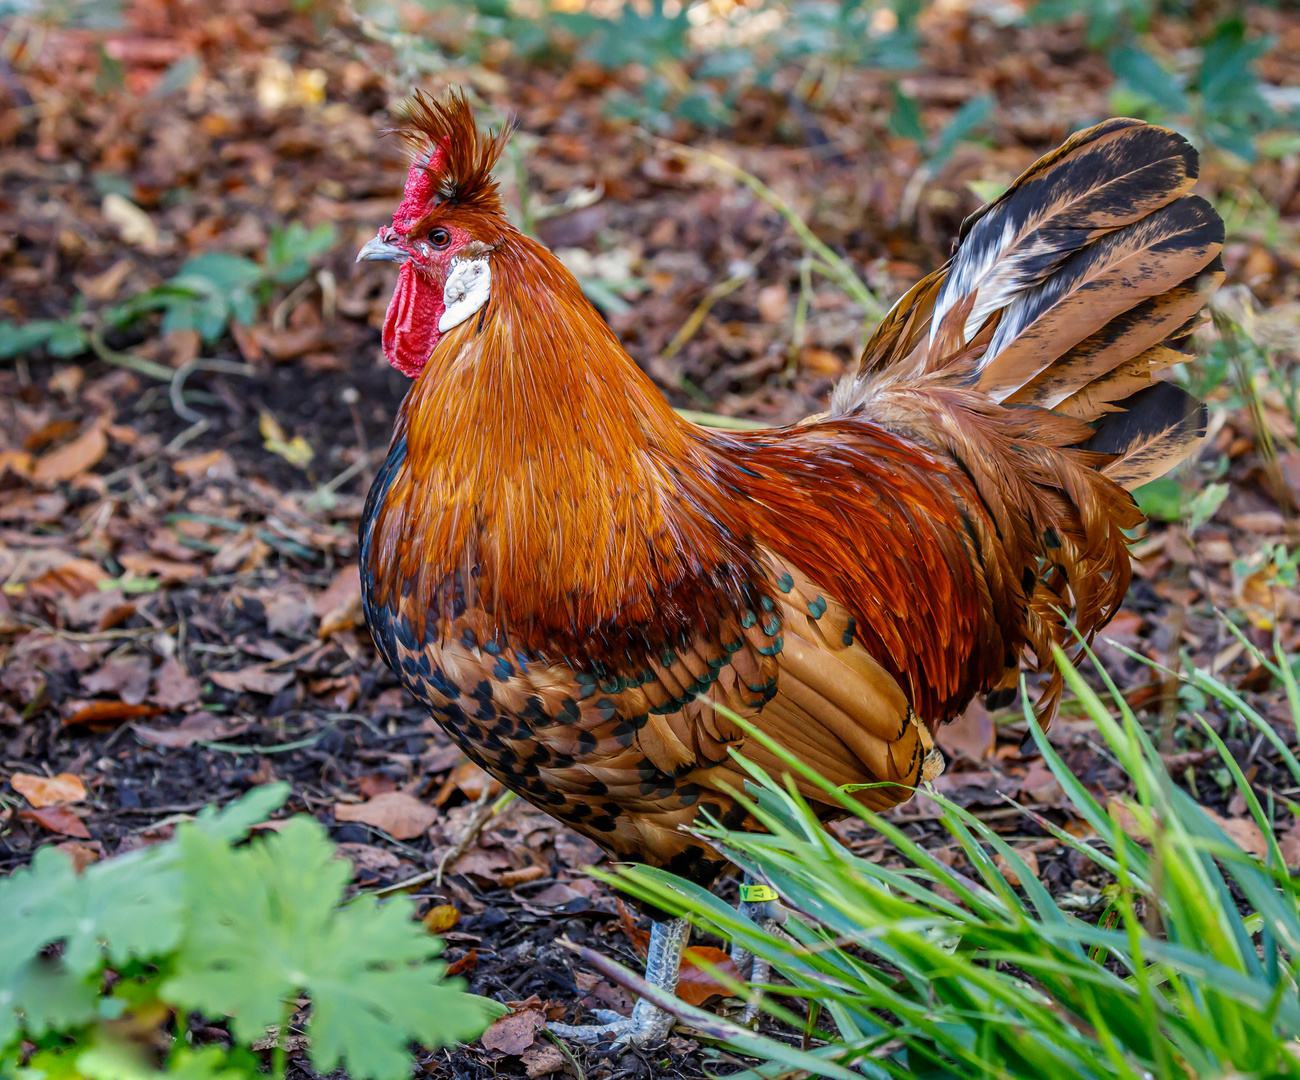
(970, 736)
(49, 790)
(1241, 831)
(402, 816)
(167, 571)
(125, 676)
(1030, 859)
(468, 778)
(214, 465)
(82, 855)
(70, 461)
(197, 727)
(173, 686)
(367, 858)
(18, 462)
(339, 606)
(542, 1059)
(1289, 844)
(694, 985)
(515, 1032)
(256, 679)
(57, 819)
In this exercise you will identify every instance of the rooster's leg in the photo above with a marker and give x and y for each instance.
(769, 915)
(648, 1023)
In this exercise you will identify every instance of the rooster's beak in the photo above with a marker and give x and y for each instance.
(380, 249)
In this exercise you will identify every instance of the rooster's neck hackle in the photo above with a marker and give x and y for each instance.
(541, 462)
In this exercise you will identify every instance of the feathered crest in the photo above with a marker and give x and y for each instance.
(453, 158)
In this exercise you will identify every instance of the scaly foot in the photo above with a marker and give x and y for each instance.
(648, 1025)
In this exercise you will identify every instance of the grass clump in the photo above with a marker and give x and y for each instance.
(931, 972)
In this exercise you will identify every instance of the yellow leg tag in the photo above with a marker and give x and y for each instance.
(757, 894)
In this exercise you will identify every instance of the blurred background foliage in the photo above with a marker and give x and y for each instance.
(691, 61)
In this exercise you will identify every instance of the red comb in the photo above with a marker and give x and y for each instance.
(419, 191)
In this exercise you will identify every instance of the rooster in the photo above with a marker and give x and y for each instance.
(583, 587)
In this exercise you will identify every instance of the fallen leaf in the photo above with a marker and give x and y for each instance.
(214, 465)
(368, 858)
(133, 225)
(289, 615)
(167, 571)
(1030, 859)
(49, 790)
(440, 918)
(542, 1060)
(296, 451)
(465, 964)
(82, 855)
(640, 938)
(511, 878)
(970, 736)
(57, 819)
(70, 461)
(372, 784)
(256, 679)
(468, 778)
(515, 1032)
(173, 686)
(197, 727)
(1289, 844)
(339, 606)
(402, 816)
(106, 715)
(18, 462)
(1241, 831)
(125, 676)
(695, 985)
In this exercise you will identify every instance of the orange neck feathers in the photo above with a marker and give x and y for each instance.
(538, 453)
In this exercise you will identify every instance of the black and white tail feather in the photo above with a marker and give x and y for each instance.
(1068, 293)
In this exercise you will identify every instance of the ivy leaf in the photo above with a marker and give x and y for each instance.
(265, 925)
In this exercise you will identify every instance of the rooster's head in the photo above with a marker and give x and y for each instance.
(450, 219)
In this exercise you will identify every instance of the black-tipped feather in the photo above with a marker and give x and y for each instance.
(1158, 428)
(1094, 285)
(1160, 319)
(1102, 179)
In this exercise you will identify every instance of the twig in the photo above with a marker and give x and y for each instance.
(696, 318)
(483, 813)
(280, 316)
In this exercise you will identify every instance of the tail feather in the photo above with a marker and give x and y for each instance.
(1130, 334)
(1093, 286)
(1101, 179)
(1153, 431)
(1066, 293)
(1033, 359)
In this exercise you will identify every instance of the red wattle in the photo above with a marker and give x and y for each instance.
(411, 323)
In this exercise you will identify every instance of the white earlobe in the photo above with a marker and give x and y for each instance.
(468, 287)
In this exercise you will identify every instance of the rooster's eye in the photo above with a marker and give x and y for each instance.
(439, 238)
